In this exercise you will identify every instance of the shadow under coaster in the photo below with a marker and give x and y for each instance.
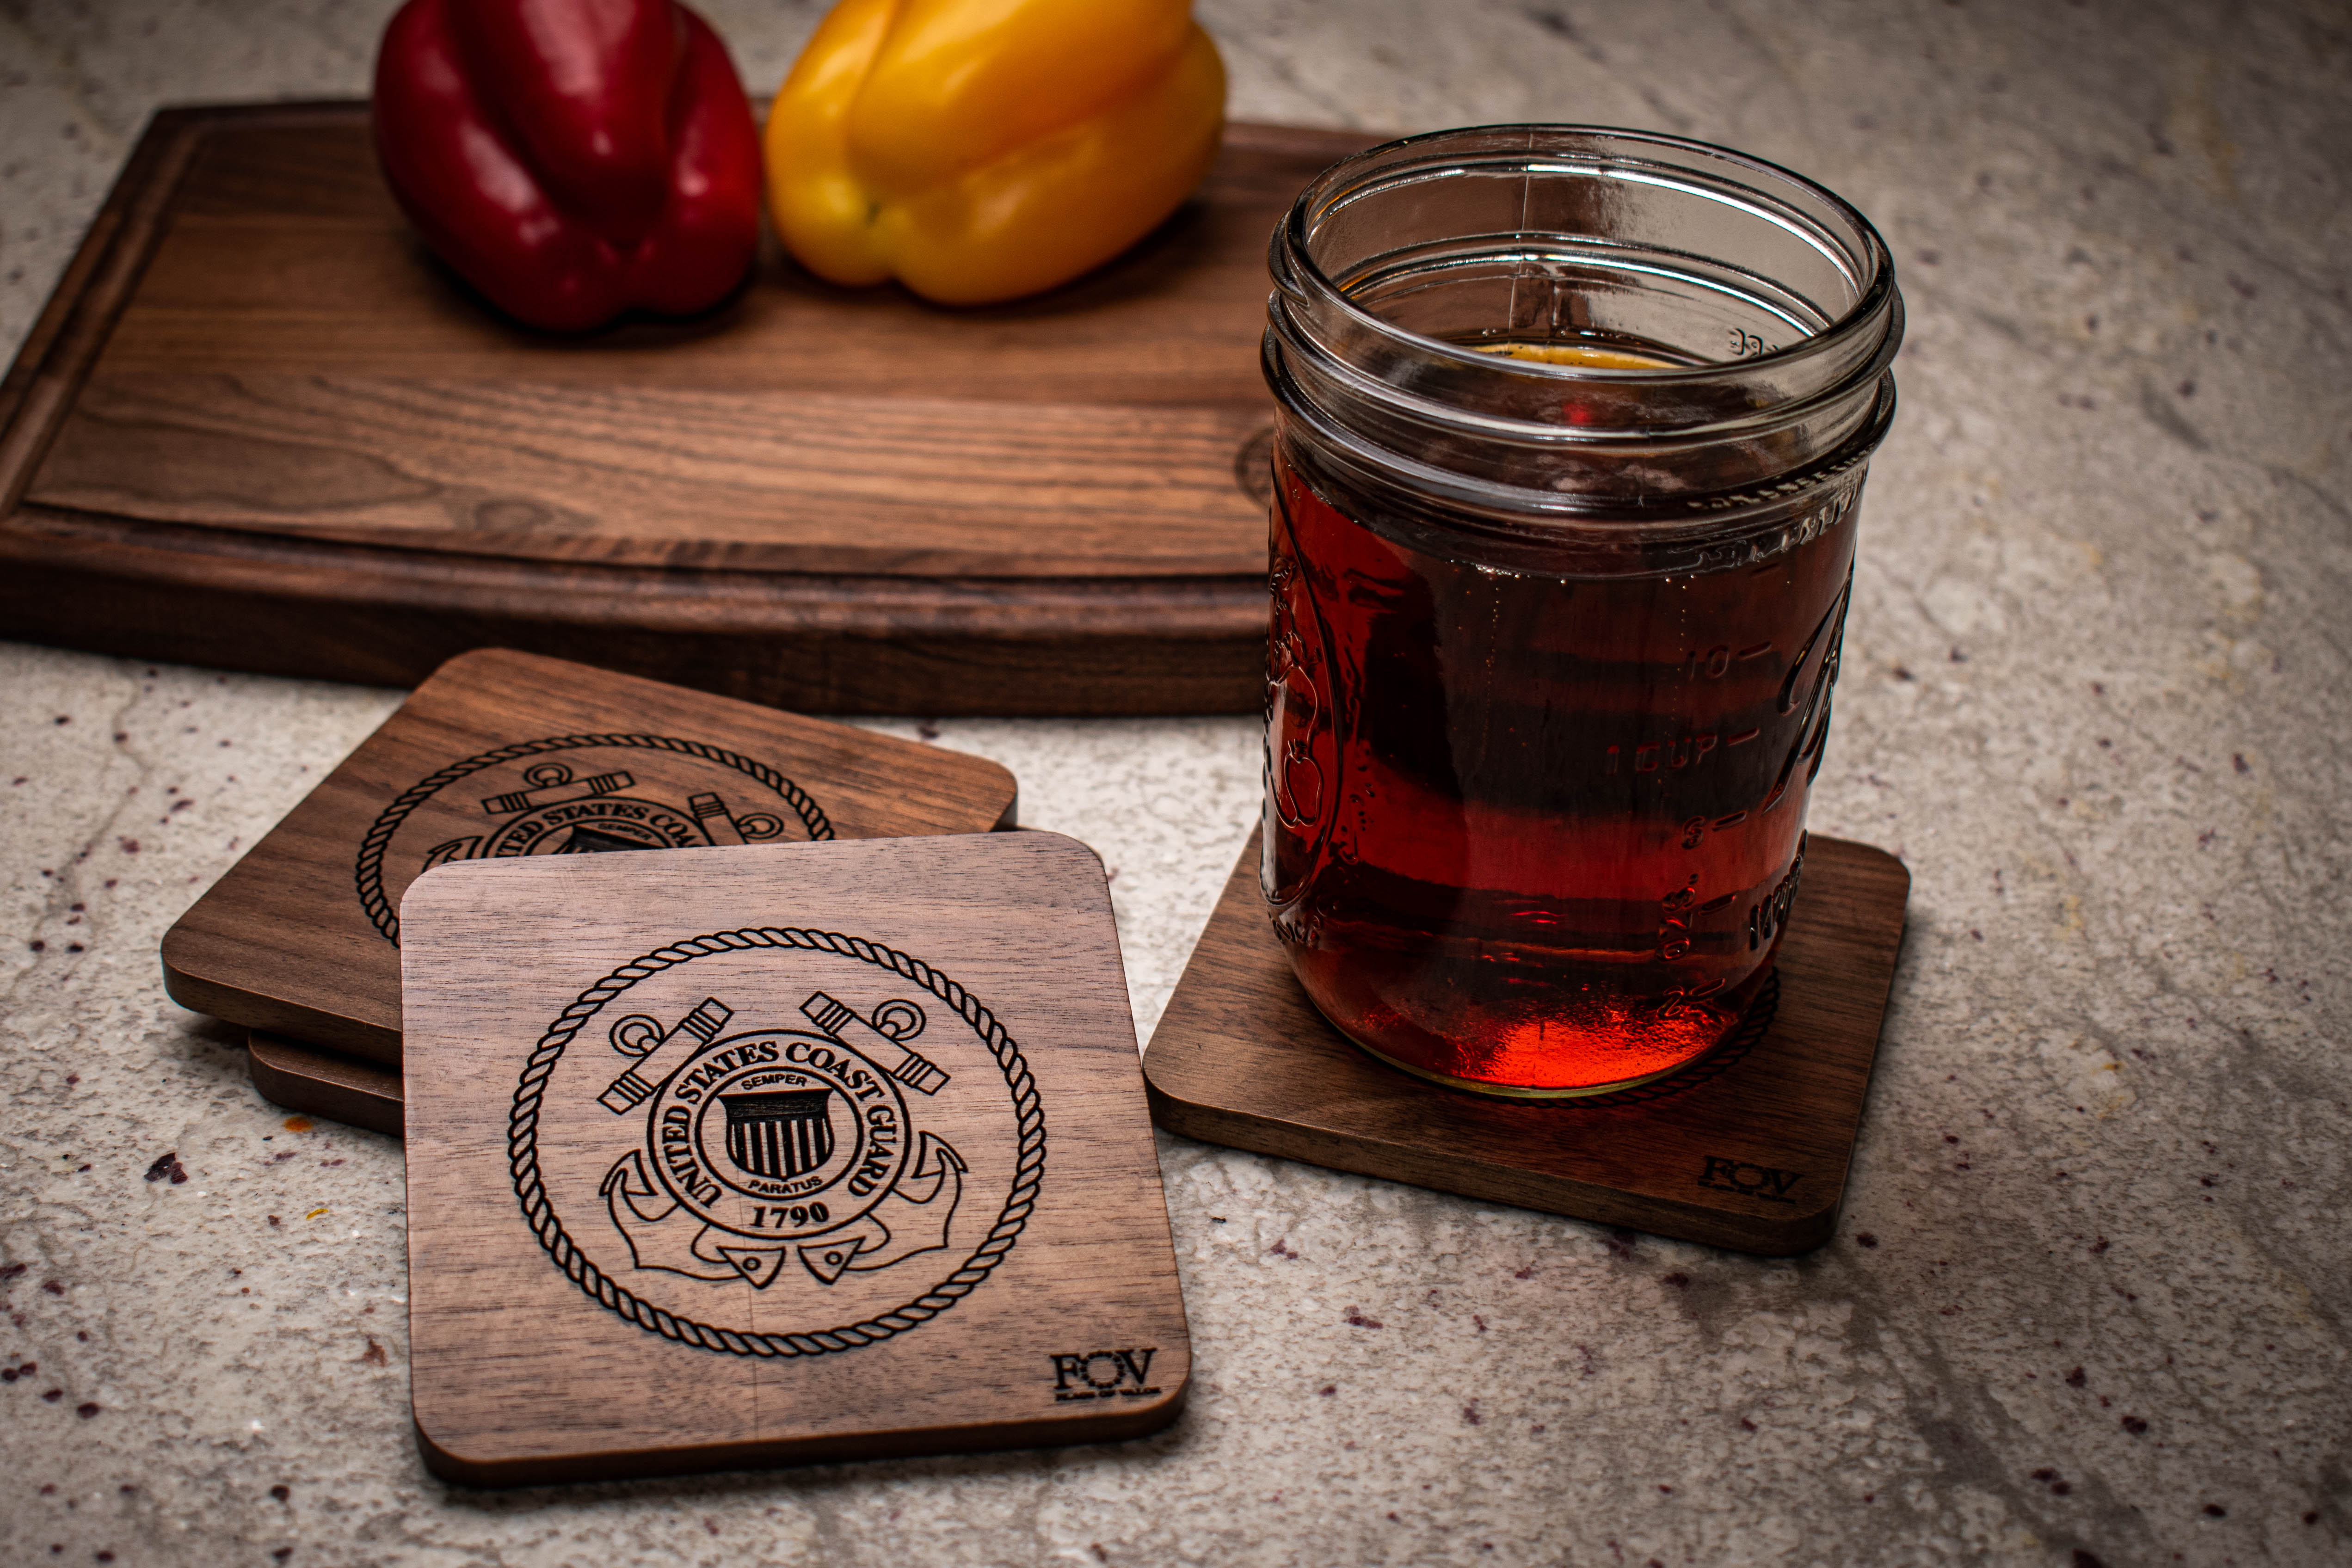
(1747, 1148)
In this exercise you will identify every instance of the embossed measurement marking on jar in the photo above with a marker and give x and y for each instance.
(1686, 752)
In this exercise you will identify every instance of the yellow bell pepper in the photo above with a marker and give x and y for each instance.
(982, 150)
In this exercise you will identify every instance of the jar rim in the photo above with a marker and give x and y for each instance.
(1707, 524)
(1874, 288)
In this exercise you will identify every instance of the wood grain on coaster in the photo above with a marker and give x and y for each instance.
(789, 1153)
(1747, 1149)
(259, 427)
(502, 755)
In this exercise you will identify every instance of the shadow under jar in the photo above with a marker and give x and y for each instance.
(1572, 423)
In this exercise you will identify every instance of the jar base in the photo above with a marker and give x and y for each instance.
(1519, 1091)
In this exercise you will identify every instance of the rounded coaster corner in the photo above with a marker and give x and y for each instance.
(315, 1083)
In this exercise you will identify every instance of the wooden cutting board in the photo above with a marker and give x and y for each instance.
(1747, 1149)
(794, 1152)
(504, 756)
(258, 427)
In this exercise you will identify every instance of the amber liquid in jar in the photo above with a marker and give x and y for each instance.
(1536, 830)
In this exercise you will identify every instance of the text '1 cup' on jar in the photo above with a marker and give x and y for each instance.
(1572, 426)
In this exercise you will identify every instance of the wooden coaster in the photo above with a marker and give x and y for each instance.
(794, 1152)
(322, 1084)
(1747, 1149)
(501, 755)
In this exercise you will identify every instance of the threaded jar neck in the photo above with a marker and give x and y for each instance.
(1566, 329)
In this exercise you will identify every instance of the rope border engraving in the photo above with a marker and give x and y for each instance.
(522, 1144)
(370, 869)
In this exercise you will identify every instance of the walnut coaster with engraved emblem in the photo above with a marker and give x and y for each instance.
(804, 1152)
(1747, 1147)
(503, 755)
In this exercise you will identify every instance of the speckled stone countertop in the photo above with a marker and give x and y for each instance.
(2088, 1301)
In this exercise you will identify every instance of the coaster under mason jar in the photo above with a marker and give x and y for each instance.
(790, 1153)
(1747, 1149)
(502, 754)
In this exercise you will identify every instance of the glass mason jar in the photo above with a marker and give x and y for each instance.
(1572, 423)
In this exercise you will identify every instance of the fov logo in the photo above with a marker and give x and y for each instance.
(1103, 1374)
(1720, 1175)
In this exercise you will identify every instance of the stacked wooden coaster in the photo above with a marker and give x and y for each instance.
(816, 1133)
(503, 755)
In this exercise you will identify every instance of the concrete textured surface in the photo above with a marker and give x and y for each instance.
(2088, 1301)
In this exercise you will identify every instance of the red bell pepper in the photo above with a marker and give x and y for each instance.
(571, 159)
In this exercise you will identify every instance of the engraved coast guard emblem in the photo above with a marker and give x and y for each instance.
(777, 1142)
(577, 794)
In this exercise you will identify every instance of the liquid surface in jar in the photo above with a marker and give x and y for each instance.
(1591, 356)
(1531, 831)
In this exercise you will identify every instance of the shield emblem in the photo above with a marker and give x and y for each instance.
(779, 1136)
(585, 840)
